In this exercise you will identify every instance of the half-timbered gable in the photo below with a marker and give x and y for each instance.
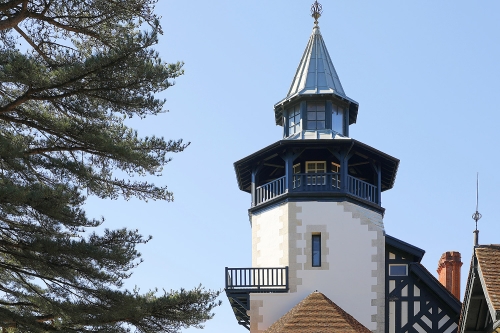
(416, 302)
(481, 310)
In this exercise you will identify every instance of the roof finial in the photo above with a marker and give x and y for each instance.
(476, 216)
(316, 10)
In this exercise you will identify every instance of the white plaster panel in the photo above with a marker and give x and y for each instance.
(355, 245)
(269, 243)
(350, 260)
(275, 306)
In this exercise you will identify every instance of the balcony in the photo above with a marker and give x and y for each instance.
(316, 182)
(240, 282)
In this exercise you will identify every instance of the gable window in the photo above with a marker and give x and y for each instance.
(294, 120)
(316, 115)
(398, 270)
(338, 119)
(316, 250)
(319, 170)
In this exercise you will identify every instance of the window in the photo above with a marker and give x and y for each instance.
(294, 120)
(315, 115)
(398, 270)
(318, 168)
(338, 119)
(335, 174)
(316, 250)
(296, 178)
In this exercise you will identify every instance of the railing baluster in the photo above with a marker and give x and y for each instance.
(271, 190)
(274, 279)
(362, 189)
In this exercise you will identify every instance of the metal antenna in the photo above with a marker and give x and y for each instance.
(476, 216)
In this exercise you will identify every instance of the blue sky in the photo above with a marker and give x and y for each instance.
(426, 76)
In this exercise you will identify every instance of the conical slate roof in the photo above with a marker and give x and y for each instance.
(317, 314)
(316, 73)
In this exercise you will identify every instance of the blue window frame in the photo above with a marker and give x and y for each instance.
(316, 116)
(316, 250)
(398, 270)
(294, 120)
(338, 119)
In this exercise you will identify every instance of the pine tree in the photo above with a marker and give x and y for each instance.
(71, 73)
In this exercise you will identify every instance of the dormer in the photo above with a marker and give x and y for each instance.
(316, 106)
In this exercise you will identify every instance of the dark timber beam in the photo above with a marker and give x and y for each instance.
(359, 163)
(274, 165)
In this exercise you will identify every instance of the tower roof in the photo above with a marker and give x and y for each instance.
(316, 73)
(317, 313)
(316, 76)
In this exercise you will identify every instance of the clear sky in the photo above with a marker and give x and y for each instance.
(425, 73)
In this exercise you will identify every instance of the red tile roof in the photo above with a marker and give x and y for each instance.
(317, 314)
(488, 259)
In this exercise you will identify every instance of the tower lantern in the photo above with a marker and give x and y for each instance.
(316, 105)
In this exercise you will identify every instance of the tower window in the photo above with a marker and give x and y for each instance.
(316, 250)
(335, 175)
(294, 120)
(296, 177)
(338, 119)
(315, 115)
(318, 169)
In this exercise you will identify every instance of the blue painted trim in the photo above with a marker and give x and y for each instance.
(416, 252)
(318, 197)
(328, 115)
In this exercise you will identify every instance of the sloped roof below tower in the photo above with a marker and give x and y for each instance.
(317, 314)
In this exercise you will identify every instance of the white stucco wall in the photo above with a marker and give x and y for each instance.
(352, 269)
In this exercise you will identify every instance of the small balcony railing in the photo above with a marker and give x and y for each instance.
(257, 279)
(316, 182)
(271, 190)
(362, 189)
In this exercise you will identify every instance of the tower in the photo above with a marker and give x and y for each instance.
(316, 214)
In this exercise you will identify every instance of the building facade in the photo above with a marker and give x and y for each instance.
(317, 219)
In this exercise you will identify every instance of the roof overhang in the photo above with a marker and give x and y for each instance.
(244, 167)
(414, 251)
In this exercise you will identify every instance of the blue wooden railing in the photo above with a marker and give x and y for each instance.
(315, 182)
(270, 190)
(362, 189)
(257, 279)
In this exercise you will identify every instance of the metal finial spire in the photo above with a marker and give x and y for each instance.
(316, 11)
(476, 216)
